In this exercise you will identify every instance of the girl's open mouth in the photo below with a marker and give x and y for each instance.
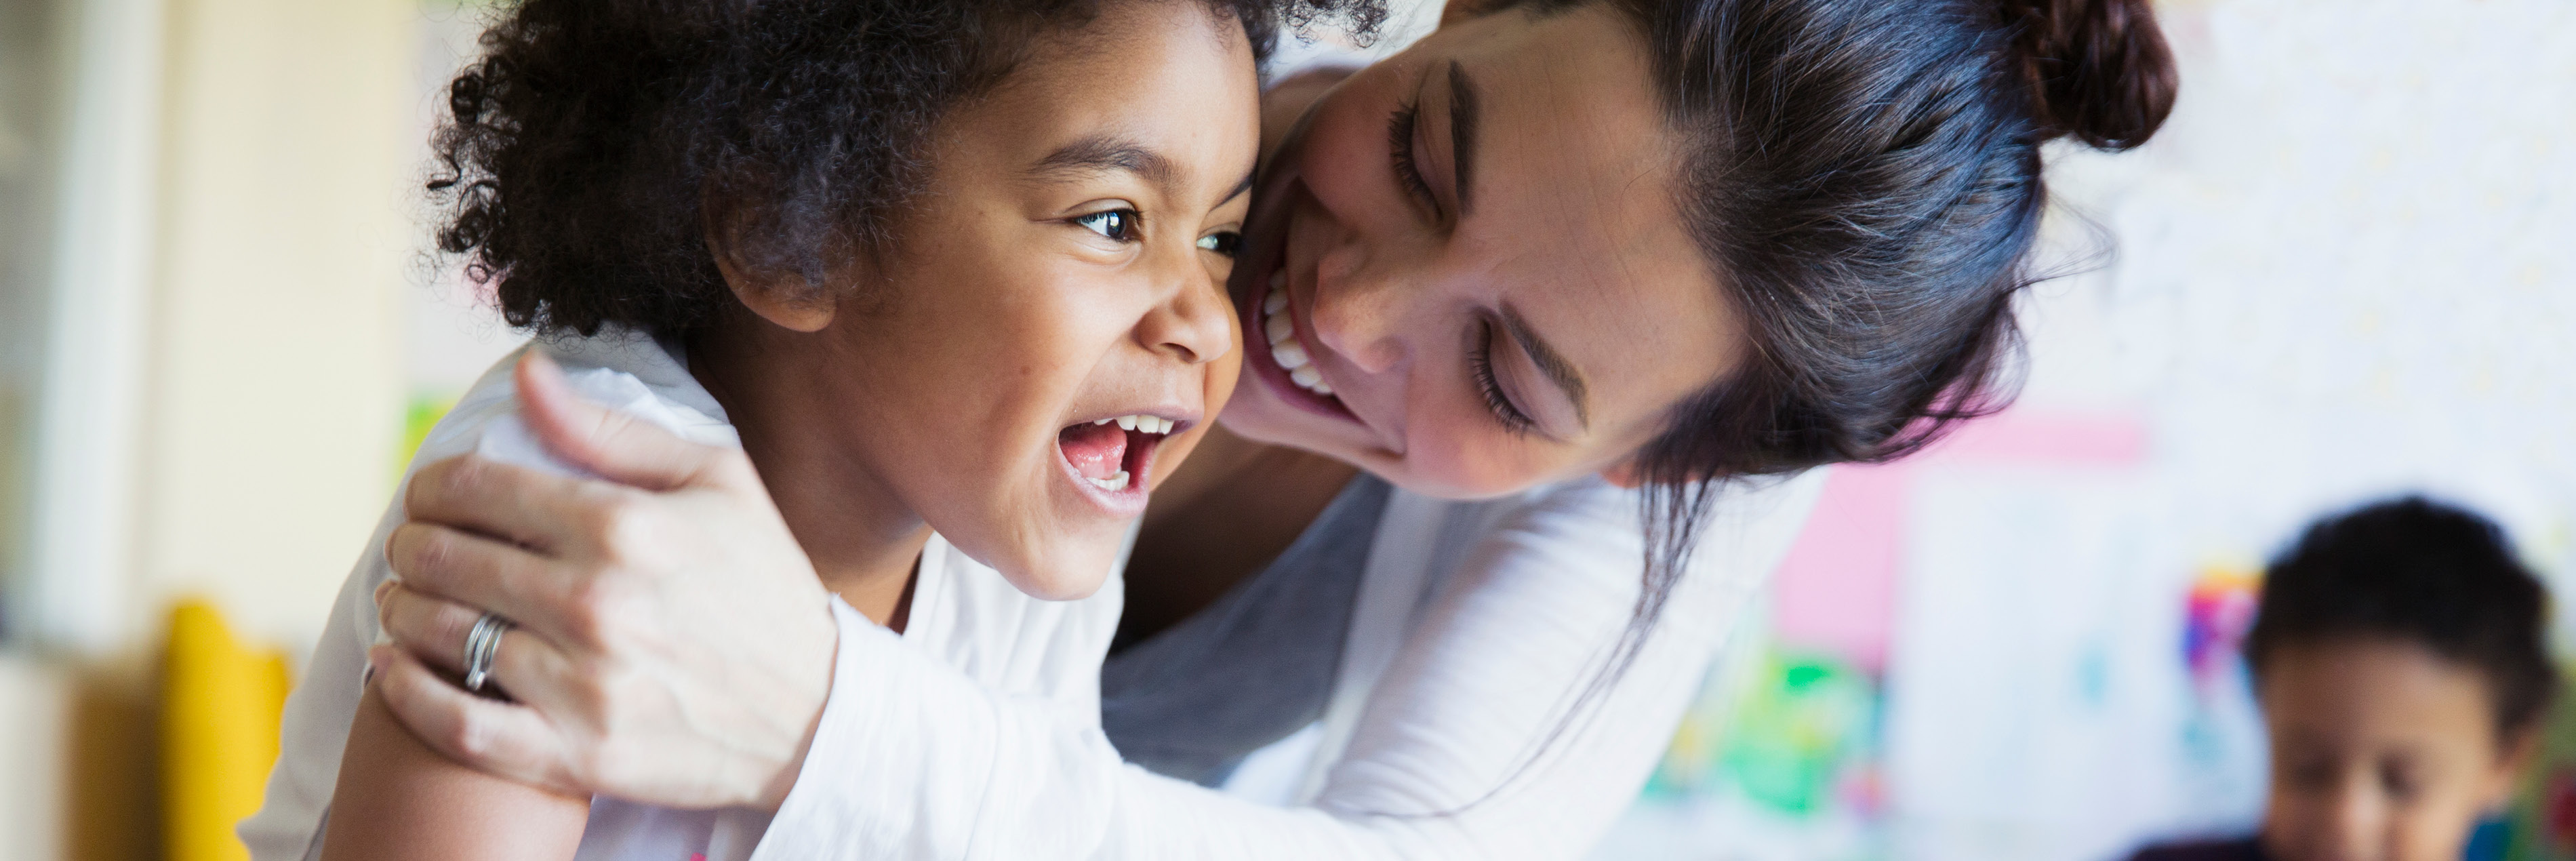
(1114, 455)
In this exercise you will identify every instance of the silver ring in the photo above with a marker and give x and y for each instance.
(482, 644)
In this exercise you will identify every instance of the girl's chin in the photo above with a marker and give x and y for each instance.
(1066, 575)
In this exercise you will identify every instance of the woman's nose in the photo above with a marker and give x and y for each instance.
(1359, 310)
(1195, 323)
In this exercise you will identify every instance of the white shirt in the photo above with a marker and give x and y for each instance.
(1478, 624)
(1041, 656)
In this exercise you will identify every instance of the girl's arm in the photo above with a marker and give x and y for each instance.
(397, 799)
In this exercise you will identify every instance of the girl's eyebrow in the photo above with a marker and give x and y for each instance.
(1240, 187)
(1106, 154)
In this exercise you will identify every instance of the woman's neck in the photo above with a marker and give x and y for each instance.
(864, 542)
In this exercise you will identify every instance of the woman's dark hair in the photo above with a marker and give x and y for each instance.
(2419, 572)
(1864, 178)
(588, 148)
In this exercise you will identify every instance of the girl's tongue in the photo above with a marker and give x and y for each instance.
(1095, 450)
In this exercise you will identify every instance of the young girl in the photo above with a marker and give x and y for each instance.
(947, 274)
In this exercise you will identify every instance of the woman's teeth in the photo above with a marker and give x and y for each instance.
(1285, 349)
(1113, 483)
(1148, 424)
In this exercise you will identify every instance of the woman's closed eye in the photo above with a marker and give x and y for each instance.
(1400, 129)
(1480, 364)
(1119, 225)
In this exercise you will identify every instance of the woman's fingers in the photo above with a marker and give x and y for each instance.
(434, 629)
(431, 629)
(612, 444)
(495, 737)
(527, 506)
(480, 572)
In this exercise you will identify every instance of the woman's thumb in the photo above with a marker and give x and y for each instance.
(611, 444)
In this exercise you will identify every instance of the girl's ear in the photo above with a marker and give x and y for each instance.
(784, 299)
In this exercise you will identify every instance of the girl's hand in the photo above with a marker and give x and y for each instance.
(673, 647)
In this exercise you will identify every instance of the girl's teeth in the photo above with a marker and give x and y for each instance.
(1278, 279)
(1290, 354)
(1276, 303)
(1278, 328)
(1306, 376)
(1113, 483)
(1148, 424)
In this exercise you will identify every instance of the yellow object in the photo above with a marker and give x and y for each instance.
(221, 703)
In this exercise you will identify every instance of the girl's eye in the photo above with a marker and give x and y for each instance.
(1117, 224)
(1224, 242)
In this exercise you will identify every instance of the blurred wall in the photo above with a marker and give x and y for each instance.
(273, 386)
(226, 217)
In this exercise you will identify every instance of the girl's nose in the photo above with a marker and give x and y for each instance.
(1195, 324)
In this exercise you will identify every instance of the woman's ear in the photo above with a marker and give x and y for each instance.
(786, 300)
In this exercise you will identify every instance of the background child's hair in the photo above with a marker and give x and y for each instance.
(588, 149)
(2420, 572)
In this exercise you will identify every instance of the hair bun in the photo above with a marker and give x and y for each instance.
(2099, 70)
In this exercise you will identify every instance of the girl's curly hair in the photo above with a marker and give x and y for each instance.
(585, 150)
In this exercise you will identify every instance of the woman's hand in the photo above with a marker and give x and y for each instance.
(673, 644)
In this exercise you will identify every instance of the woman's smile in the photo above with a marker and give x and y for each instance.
(1276, 338)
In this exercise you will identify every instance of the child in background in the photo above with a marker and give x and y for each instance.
(2398, 658)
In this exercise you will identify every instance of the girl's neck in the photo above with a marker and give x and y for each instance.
(865, 543)
(1226, 512)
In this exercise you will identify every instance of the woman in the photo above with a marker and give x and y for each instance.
(1578, 262)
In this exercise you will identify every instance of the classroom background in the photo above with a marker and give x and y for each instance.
(2346, 268)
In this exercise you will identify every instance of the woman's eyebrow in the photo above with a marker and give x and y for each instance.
(1104, 154)
(1462, 131)
(1551, 364)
